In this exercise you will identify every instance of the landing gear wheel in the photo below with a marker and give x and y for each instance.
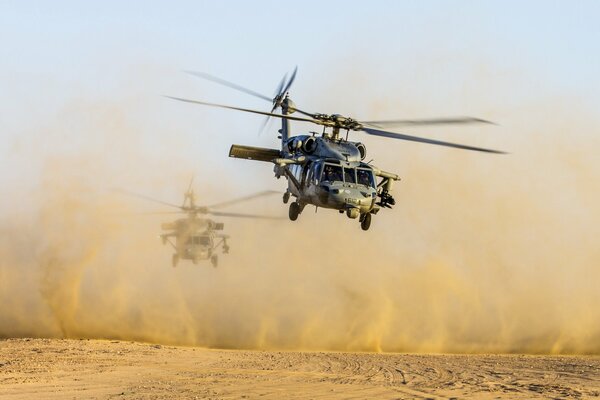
(214, 261)
(286, 197)
(365, 222)
(174, 260)
(294, 211)
(225, 249)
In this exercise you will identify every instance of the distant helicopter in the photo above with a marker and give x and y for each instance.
(329, 171)
(195, 238)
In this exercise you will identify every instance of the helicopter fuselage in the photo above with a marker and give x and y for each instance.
(326, 172)
(195, 239)
(198, 246)
(331, 175)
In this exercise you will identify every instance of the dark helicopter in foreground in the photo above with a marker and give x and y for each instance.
(197, 238)
(329, 171)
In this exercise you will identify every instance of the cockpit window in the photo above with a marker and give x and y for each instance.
(332, 173)
(349, 176)
(365, 177)
(317, 172)
(201, 240)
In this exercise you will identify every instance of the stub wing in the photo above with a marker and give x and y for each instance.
(254, 153)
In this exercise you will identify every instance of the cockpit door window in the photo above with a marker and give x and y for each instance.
(365, 177)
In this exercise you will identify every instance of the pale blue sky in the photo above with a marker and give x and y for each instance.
(433, 53)
(66, 38)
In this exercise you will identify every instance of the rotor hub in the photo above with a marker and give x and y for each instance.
(338, 121)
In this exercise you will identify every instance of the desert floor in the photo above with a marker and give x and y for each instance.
(100, 369)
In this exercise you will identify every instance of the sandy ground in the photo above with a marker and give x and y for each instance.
(98, 369)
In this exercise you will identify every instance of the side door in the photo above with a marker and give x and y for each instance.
(312, 179)
(296, 171)
(308, 174)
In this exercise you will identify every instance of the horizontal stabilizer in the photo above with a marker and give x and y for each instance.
(254, 153)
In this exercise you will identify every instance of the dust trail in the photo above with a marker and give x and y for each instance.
(481, 254)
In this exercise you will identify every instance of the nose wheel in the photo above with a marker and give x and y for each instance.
(294, 211)
(365, 221)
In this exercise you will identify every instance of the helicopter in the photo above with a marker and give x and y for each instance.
(196, 238)
(329, 171)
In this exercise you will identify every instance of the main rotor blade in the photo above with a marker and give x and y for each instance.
(161, 212)
(188, 194)
(312, 115)
(400, 136)
(279, 91)
(280, 86)
(245, 198)
(263, 125)
(298, 111)
(287, 86)
(276, 100)
(190, 185)
(282, 89)
(246, 110)
(232, 85)
(141, 196)
(433, 121)
(239, 215)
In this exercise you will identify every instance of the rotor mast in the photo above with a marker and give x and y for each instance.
(285, 123)
(335, 133)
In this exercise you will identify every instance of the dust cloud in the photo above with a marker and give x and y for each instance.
(481, 254)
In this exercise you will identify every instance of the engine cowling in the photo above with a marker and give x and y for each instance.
(362, 149)
(309, 145)
(294, 144)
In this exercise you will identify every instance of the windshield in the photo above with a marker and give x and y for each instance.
(349, 176)
(201, 240)
(365, 177)
(332, 173)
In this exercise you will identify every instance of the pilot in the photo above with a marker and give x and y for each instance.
(363, 178)
(328, 173)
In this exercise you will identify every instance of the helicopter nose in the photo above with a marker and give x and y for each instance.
(347, 196)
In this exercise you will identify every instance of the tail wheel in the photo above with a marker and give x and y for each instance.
(214, 261)
(286, 197)
(174, 260)
(365, 222)
(294, 211)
